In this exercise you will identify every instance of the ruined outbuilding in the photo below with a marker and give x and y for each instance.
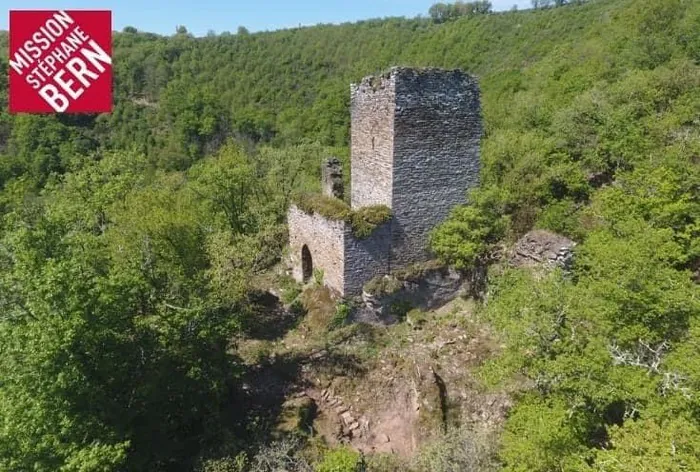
(415, 137)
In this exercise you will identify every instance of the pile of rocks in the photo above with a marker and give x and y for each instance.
(540, 247)
(351, 426)
(428, 288)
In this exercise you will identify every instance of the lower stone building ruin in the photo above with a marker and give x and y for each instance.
(415, 137)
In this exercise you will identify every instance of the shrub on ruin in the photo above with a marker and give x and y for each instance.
(417, 271)
(329, 207)
(365, 220)
(469, 235)
(362, 221)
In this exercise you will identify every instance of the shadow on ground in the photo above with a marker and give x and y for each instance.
(269, 319)
(267, 386)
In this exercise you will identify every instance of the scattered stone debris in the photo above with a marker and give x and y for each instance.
(379, 389)
(424, 286)
(351, 424)
(543, 248)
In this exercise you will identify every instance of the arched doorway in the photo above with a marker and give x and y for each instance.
(307, 265)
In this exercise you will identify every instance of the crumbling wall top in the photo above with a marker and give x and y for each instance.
(373, 83)
(332, 178)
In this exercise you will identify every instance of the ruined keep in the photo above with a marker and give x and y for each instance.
(415, 137)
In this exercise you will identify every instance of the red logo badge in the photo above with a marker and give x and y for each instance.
(60, 61)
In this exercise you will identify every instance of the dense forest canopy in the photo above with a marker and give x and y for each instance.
(128, 241)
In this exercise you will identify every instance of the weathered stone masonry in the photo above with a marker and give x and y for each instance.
(325, 240)
(415, 148)
(437, 129)
(344, 259)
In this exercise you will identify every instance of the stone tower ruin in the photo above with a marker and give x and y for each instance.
(415, 137)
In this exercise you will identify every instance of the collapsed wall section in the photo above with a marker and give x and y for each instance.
(317, 242)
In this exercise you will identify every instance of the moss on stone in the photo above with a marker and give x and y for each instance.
(363, 221)
(329, 207)
(389, 284)
(383, 285)
(418, 270)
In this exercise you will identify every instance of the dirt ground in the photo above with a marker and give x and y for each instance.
(378, 389)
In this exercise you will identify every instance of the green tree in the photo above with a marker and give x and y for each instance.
(114, 335)
(471, 233)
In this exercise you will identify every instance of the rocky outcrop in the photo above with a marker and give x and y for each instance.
(388, 298)
(543, 248)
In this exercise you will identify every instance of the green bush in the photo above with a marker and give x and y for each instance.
(289, 294)
(341, 460)
(468, 235)
(318, 276)
(460, 450)
(122, 273)
(281, 455)
(342, 312)
(289, 289)
(238, 463)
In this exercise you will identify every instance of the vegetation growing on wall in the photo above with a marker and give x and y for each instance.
(388, 284)
(363, 221)
(366, 219)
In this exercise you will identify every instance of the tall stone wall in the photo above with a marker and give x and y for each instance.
(437, 129)
(415, 148)
(366, 258)
(326, 242)
(371, 141)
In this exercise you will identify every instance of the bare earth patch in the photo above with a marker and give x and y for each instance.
(389, 389)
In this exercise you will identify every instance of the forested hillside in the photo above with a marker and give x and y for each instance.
(130, 243)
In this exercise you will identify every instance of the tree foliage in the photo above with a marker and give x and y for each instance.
(128, 241)
(441, 12)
